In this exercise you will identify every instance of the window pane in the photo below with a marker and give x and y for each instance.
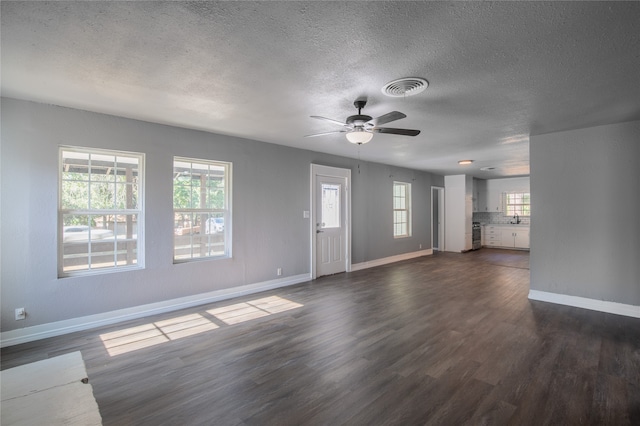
(87, 242)
(195, 193)
(214, 224)
(75, 195)
(128, 161)
(75, 256)
(106, 174)
(181, 193)
(73, 225)
(330, 206)
(127, 253)
(102, 195)
(186, 223)
(126, 196)
(215, 193)
(124, 226)
(75, 166)
(102, 254)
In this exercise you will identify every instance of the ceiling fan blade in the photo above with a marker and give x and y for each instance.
(404, 132)
(329, 119)
(387, 118)
(326, 133)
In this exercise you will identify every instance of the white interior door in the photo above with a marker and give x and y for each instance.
(331, 207)
(330, 229)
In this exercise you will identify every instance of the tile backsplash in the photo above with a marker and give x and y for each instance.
(490, 217)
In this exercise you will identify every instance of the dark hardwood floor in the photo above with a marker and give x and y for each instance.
(449, 339)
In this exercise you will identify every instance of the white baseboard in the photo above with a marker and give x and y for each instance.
(585, 303)
(43, 331)
(390, 259)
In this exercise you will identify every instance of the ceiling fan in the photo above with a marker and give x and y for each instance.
(360, 128)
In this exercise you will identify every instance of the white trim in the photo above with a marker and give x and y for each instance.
(441, 218)
(586, 303)
(390, 259)
(43, 331)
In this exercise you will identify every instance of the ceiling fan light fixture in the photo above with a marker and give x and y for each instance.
(359, 136)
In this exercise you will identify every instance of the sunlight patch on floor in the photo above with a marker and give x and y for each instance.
(241, 312)
(147, 335)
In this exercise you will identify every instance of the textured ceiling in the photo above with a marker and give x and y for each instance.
(498, 72)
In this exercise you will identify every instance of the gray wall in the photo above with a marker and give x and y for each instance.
(585, 233)
(270, 192)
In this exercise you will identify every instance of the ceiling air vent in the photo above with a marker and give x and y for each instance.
(404, 87)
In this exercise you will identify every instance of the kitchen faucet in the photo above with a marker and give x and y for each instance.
(517, 218)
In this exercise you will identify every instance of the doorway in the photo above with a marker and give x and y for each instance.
(437, 218)
(330, 220)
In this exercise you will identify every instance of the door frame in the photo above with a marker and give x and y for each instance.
(345, 175)
(439, 191)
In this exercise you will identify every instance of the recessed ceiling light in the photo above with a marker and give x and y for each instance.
(465, 162)
(487, 169)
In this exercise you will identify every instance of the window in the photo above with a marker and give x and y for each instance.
(99, 210)
(201, 209)
(517, 203)
(401, 209)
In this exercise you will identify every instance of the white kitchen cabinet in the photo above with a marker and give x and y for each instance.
(494, 202)
(504, 236)
(521, 239)
(480, 195)
(515, 237)
(493, 236)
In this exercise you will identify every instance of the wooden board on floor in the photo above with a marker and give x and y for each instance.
(49, 392)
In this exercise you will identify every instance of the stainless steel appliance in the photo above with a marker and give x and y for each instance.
(476, 236)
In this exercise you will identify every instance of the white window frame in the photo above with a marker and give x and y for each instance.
(138, 211)
(397, 233)
(513, 208)
(224, 212)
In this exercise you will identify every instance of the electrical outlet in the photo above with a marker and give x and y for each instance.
(279, 271)
(20, 314)
(420, 246)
